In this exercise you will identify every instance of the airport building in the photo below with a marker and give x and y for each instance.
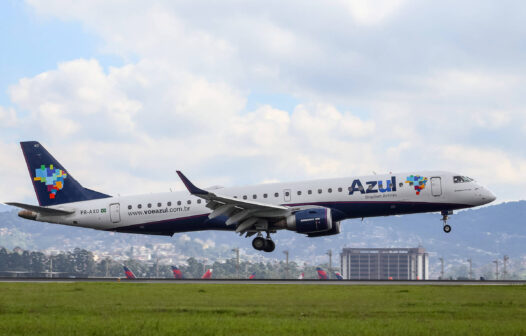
(385, 264)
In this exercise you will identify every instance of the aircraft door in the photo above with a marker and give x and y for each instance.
(286, 195)
(436, 186)
(115, 212)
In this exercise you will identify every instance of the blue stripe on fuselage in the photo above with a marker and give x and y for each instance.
(341, 211)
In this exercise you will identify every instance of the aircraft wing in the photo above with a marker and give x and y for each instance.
(42, 210)
(245, 214)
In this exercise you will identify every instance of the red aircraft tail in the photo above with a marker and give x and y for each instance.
(322, 275)
(129, 273)
(177, 272)
(208, 274)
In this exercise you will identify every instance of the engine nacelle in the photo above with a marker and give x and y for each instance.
(336, 229)
(310, 221)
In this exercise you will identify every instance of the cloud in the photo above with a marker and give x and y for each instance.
(8, 117)
(380, 86)
(372, 12)
(179, 118)
(15, 183)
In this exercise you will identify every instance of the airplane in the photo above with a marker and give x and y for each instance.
(252, 276)
(177, 272)
(302, 276)
(322, 275)
(129, 273)
(314, 208)
(208, 274)
(338, 275)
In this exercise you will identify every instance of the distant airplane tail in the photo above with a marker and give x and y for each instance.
(177, 272)
(129, 273)
(52, 183)
(208, 274)
(338, 275)
(322, 275)
(252, 276)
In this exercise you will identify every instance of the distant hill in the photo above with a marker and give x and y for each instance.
(482, 234)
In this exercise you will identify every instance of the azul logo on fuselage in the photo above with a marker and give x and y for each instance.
(373, 187)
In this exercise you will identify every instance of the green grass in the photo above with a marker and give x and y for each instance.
(194, 309)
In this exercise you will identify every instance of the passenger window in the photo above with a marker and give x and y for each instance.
(340, 189)
(309, 192)
(199, 201)
(149, 205)
(244, 196)
(276, 194)
(329, 190)
(169, 204)
(159, 205)
(287, 193)
(254, 196)
(319, 191)
(189, 202)
(400, 184)
(265, 195)
(139, 206)
(129, 207)
(178, 202)
(299, 193)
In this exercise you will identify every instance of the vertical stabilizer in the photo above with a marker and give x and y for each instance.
(129, 273)
(52, 182)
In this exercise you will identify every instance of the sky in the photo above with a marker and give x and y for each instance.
(123, 93)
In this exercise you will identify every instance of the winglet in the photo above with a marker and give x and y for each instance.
(190, 186)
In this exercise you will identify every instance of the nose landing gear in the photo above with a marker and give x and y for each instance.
(445, 217)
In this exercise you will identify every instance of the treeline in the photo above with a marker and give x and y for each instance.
(81, 263)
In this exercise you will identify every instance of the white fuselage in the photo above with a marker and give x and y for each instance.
(375, 195)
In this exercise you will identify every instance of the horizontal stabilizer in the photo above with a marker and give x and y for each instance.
(42, 210)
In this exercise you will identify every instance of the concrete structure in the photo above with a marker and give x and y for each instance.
(385, 263)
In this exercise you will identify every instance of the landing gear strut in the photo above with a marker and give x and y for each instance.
(445, 217)
(263, 244)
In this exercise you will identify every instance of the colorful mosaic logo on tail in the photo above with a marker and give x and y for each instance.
(52, 177)
(419, 182)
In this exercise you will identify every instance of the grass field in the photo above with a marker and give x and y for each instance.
(200, 309)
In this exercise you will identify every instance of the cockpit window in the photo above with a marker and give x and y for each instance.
(461, 179)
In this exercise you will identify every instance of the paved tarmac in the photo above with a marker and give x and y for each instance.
(277, 281)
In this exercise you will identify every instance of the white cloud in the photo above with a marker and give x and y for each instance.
(381, 85)
(373, 11)
(8, 117)
(180, 119)
(15, 182)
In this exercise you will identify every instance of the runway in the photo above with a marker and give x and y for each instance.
(277, 281)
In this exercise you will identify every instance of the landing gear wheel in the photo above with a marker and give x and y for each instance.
(269, 245)
(447, 228)
(259, 243)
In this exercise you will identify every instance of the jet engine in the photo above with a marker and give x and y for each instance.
(336, 229)
(310, 221)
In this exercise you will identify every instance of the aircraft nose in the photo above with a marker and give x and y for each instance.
(491, 196)
(488, 196)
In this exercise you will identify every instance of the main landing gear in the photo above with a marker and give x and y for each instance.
(445, 217)
(263, 244)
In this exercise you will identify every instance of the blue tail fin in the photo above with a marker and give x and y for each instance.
(52, 182)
